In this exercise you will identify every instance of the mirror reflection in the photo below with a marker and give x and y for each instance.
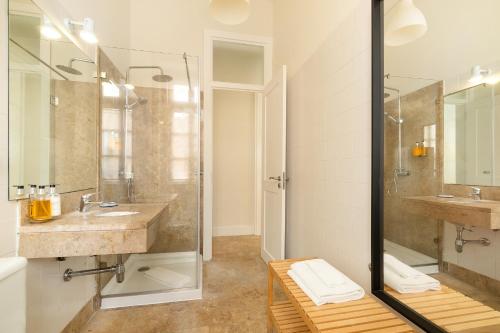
(441, 188)
(52, 105)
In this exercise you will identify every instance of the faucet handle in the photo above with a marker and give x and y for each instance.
(476, 190)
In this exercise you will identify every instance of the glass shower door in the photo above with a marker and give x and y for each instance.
(151, 155)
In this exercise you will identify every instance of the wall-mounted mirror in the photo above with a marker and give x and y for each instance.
(52, 105)
(439, 117)
(472, 136)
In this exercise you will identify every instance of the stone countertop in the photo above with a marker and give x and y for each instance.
(76, 234)
(458, 210)
(490, 206)
(88, 221)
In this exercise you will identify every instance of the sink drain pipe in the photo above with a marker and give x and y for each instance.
(118, 269)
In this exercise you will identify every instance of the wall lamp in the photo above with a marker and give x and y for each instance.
(86, 28)
(482, 75)
(48, 30)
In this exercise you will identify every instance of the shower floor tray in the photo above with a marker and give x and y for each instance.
(138, 289)
(417, 260)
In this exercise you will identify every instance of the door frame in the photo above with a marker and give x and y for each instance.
(209, 86)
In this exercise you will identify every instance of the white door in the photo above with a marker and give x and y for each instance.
(274, 168)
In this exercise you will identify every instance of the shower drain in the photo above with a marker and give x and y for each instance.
(143, 269)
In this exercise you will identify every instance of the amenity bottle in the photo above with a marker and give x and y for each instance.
(55, 201)
(41, 211)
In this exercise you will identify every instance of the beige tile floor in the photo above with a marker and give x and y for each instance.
(234, 298)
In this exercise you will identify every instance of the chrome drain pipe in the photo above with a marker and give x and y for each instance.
(118, 269)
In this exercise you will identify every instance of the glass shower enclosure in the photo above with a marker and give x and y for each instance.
(150, 154)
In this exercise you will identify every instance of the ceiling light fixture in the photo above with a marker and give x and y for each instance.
(404, 23)
(86, 27)
(481, 75)
(230, 12)
(48, 30)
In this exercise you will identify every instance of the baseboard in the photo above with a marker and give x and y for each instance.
(233, 230)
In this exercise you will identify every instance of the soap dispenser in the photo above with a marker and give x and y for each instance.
(41, 211)
(55, 201)
(31, 199)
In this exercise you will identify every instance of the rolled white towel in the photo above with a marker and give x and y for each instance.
(326, 272)
(410, 285)
(400, 267)
(319, 293)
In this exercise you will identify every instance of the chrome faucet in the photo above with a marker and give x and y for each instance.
(460, 242)
(85, 202)
(476, 193)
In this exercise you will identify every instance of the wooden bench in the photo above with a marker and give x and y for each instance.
(451, 310)
(299, 314)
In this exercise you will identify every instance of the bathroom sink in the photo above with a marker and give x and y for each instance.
(115, 214)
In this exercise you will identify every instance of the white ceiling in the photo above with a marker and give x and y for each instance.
(461, 34)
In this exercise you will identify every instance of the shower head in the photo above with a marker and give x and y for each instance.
(70, 69)
(162, 77)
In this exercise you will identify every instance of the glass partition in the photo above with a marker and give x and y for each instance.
(435, 121)
(150, 153)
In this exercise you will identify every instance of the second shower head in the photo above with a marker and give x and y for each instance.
(70, 69)
(162, 77)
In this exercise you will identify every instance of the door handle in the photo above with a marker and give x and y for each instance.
(275, 178)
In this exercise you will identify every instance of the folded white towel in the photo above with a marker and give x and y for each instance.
(167, 277)
(400, 267)
(416, 284)
(326, 272)
(319, 292)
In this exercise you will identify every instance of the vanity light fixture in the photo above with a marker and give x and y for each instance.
(129, 86)
(48, 30)
(480, 75)
(86, 29)
(230, 12)
(404, 23)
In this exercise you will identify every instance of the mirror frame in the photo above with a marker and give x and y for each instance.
(377, 177)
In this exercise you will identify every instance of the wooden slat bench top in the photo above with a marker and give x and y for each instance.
(451, 309)
(300, 314)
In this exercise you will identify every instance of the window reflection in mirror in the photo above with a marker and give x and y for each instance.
(441, 162)
(52, 105)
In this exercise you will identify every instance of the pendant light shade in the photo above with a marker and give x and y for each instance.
(230, 12)
(404, 23)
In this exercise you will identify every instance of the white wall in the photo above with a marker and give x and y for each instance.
(52, 303)
(327, 45)
(234, 163)
(177, 26)
(9, 209)
(111, 18)
(463, 32)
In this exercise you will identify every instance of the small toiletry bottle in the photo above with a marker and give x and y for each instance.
(55, 201)
(41, 211)
(417, 150)
(31, 199)
(19, 191)
(424, 149)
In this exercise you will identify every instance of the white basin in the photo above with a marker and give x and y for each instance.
(115, 214)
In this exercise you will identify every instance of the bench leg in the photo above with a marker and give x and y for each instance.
(270, 294)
